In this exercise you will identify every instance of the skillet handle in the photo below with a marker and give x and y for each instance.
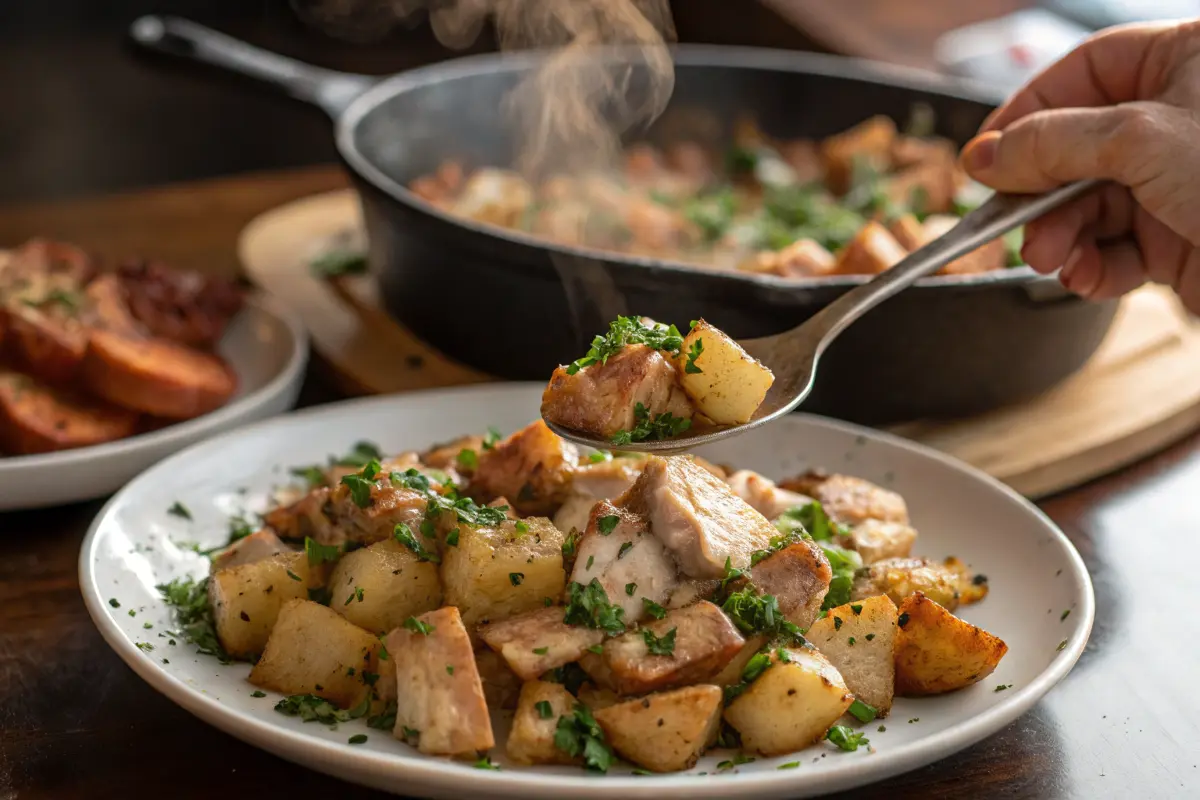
(330, 90)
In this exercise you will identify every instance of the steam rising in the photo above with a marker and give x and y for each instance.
(573, 109)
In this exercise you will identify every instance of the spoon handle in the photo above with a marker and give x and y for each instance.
(995, 217)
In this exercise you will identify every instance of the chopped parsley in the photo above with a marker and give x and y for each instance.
(737, 760)
(663, 426)
(452, 538)
(902, 620)
(360, 483)
(844, 563)
(596, 648)
(599, 456)
(625, 331)
(630, 588)
(385, 720)
(693, 353)
(653, 609)
(1003, 686)
(759, 614)
(659, 645)
(1061, 646)
(338, 262)
(543, 709)
(450, 501)
(486, 763)
(145, 647)
(321, 553)
(404, 536)
(588, 606)
(847, 739)
(590, 561)
(358, 738)
(863, 712)
(789, 765)
(856, 608)
(578, 734)
(608, 523)
(293, 576)
(515, 578)
(313, 475)
(357, 594)
(468, 459)
(449, 669)
(570, 544)
(188, 599)
(178, 509)
(417, 626)
(112, 601)
(258, 693)
(571, 676)
(311, 708)
(492, 438)
(837, 623)
(1065, 614)
(521, 527)
(623, 549)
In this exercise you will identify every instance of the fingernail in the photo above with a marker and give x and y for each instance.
(980, 153)
(1068, 267)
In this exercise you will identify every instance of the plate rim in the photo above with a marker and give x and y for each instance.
(296, 363)
(442, 775)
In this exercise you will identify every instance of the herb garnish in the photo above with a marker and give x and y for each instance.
(188, 599)
(321, 553)
(863, 712)
(417, 626)
(335, 263)
(653, 609)
(360, 483)
(356, 594)
(694, 352)
(626, 331)
(543, 709)
(486, 763)
(659, 645)
(663, 426)
(404, 536)
(623, 549)
(312, 708)
(384, 720)
(468, 459)
(178, 509)
(588, 606)
(515, 578)
(608, 523)
(630, 588)
(846, 738)
(358, 738)
(578, 734)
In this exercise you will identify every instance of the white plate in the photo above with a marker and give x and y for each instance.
(268, 349)
(1035, 574)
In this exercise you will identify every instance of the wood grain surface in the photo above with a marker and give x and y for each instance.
(76, 723)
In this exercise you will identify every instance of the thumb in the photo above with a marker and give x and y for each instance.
(1122, 143)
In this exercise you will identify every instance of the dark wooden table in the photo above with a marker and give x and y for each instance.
(75, 722)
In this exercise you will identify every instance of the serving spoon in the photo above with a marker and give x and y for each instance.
(793, 355)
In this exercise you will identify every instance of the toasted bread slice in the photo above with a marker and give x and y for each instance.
(156, 376)
(48, 345)
(35, 418)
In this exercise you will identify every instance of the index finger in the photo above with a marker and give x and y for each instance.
(1117, 65)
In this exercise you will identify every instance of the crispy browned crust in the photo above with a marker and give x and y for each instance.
(35, 418)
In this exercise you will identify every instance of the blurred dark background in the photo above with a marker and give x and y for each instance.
(83, 113)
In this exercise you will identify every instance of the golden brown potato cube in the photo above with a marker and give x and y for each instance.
(380, 586)
(857, 638)
(909, 232)
(936, 652)
(875, 540)
(496, 573)
(805, 258)
(246, 600)
(872, 250)
(949, 584)
(869, 143)
(258, 546)
(312, 650)
(688, 645)
(928, 187)
(532, 468)
(597, 697)
(501, 686)
(791, 705)
(724, 382)
(987, 257)
(910, 150)
(531, 740)
(539, 640)
(438, 690)
(849, 500)
(664, 732)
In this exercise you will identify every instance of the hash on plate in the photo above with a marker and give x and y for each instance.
(612, 606)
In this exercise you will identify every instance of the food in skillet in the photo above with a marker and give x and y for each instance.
(611, 606)
(853, 203)
(89, 355)
(644, 380)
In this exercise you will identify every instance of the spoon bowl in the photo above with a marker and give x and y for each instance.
(793, 355)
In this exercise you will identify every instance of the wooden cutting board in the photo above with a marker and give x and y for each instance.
(1139, 393)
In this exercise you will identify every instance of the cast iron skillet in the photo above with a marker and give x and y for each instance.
(516, 306)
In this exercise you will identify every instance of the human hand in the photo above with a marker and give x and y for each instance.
(1124, 106)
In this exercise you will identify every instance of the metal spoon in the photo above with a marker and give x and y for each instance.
(793, 355)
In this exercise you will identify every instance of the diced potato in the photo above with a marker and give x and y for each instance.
(869, 143)
(532, 468)
(246, 600)
(704, 642)
(803, 258)
(439, 692)
(380, 586)
(937, 652)
(537, 641)
(909, 232)
(597, 697)
(531, 740)
(859, 644)
(597, 669)
(496, 573)
(872, 250)
(876, 540)
(790, 705)
(501, 686)
(314, 651)
(730, 385)
(732, 673)
(928, 187)
(949, 584)
(664, 732)
(258, 546)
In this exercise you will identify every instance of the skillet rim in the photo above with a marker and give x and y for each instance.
(346, 123)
